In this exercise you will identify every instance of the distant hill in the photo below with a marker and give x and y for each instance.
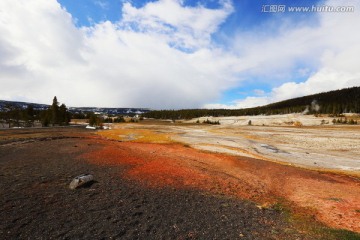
(333, 102)
(116, 111)
(21, 105)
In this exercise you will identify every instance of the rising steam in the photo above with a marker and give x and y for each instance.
(313, 107)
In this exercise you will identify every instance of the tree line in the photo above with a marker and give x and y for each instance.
(15, 115)
(55, 115)
(332, 102)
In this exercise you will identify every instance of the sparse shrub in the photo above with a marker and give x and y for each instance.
(94, 120)
(119, 119)
(108, 120)
(249, 122)
(134, 120)
(345, 121)
(211, 122)
(298, 124)
(352, 122)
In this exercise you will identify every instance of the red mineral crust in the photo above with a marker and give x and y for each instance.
(333, 199)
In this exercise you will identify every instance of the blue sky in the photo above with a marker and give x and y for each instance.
(247, 13)
(171, 54)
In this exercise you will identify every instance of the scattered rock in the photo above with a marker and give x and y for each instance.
(81, 180)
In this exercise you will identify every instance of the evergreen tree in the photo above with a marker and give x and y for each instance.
(55, 114)
(64, 116)
(55, 111)
(94, 120)
(45, 117)
(29, 115)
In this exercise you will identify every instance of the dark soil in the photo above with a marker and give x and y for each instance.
(36, 202)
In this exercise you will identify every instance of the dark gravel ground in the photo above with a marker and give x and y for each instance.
(36, 202)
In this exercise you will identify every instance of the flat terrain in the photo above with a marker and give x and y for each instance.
(150, 187)
(333, 148)
(323, 147)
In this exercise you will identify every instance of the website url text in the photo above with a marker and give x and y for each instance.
(310, 9)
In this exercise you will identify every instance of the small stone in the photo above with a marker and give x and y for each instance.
(81, 180)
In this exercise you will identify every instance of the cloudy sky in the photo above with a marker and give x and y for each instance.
(172, 54)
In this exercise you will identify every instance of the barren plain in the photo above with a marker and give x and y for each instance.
(317, 166)
(164, 180)
(274, 138)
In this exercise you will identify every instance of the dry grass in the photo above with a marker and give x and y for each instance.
(298, 124)
(136, 135)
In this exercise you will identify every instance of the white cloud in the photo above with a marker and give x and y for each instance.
(112, 64)
(40, 41)
(332, 47)
(248, 102)
(184, 27)
(324, 80)
(139, 61)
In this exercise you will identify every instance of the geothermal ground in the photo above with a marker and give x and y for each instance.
(318, 167)
(159, 180)
(274, 138)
